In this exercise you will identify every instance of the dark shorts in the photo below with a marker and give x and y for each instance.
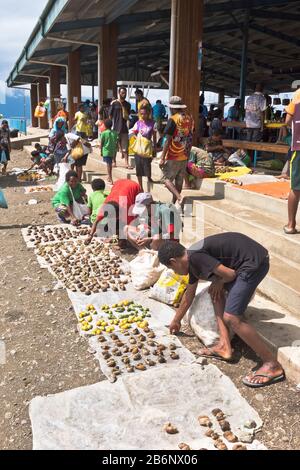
(108, 160)
(295, 171)
(83, 135)
(254, 135)
(175, 171)
(143, 166)
(241, 291)
(81, 161)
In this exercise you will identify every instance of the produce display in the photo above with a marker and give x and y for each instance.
(86, 269)
(30, 176)
(38, 235)
(40, 189)
(128, 344)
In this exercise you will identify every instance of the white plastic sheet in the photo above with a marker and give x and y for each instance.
(131, 413)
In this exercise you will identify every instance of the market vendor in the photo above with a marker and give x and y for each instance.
(236, 264)
(63, 199)
(155, 223)
(118, 208)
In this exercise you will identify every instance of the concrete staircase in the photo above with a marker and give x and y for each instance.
(218, 207)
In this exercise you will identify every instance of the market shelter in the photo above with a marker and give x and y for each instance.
(227, 48)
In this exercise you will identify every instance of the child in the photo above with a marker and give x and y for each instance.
(97, 198)
(215, 147)
(41, 159)
(109, 146)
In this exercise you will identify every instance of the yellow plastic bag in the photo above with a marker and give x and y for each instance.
(143, 147)
(170, 288)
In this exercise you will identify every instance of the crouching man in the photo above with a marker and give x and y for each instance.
(237, 264)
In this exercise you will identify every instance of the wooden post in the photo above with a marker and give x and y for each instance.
(42, 90)
(74, 84)
(221, 100)
(34, 103)
(186, 41)
(244, 64)
(109, 57)
(54, 89)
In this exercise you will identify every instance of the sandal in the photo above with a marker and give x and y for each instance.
(272, 380)
(290, 231)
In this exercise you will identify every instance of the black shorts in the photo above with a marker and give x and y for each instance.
(240, 291)
(143, 166)
(81, 161)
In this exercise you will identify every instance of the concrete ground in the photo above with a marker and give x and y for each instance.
(45, 355)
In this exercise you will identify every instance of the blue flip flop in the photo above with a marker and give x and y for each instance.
(271, 381)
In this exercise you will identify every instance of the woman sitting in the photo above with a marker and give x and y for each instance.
(64, 198)
(200, 165)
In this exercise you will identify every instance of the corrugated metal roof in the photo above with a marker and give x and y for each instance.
(144, 42)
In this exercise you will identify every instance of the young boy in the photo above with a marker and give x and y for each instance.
(97, 198)
(223, 156)
(109, 146)
(236, 264)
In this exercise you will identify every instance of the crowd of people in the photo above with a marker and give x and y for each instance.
(126, 212)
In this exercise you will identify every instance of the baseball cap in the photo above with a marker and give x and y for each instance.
(142, 200)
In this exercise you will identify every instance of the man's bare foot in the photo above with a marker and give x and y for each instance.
(216, 352)
(283, 177)
(267, 374)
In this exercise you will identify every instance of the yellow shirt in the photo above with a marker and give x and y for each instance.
(81, 122)
(290, 109)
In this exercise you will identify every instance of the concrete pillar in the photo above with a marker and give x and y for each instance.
(54, 89)
(109, 55)
(186, 39)
(42, 92)
(33, 104)
(74, 83)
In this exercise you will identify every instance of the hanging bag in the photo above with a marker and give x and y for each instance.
(3, 158)
(79, 210)
(39, 112)
(77, 152)
(3, 203)
(143, 147)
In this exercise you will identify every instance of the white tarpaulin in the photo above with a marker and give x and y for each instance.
(131, 413)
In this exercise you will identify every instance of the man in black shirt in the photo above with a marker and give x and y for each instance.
(234, 263)
(119, 114)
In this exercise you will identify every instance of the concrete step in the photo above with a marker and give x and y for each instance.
(262, 227)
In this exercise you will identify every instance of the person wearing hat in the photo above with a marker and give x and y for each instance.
(155, 223)
(176, 150)
(142, 101)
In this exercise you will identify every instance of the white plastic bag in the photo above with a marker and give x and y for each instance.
(201, 316)
(145, 269)
(63, 170)
(170, 288)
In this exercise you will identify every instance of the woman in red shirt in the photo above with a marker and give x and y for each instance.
(118, 206)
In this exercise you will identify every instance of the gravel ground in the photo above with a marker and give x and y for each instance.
(45, 355)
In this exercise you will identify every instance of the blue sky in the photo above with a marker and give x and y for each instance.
(18, 19)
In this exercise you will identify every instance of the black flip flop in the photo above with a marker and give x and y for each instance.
(271, 381)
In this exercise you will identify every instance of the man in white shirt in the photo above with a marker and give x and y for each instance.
(255, 106)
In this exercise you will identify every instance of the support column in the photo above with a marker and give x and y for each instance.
(185, 76)
(33, 103)
(109, 55)
(42, 91)
(74, 84)
(221, 100)
(54, 89)
(244, 63)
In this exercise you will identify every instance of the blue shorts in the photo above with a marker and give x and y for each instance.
(108, 160)
(240, 291)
